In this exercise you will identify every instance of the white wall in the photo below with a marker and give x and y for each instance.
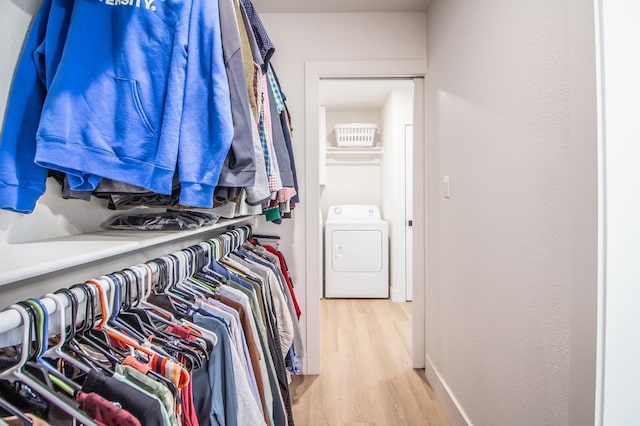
(621, 132)
(397, 112)
(351, 179)
(520, 226)
(328, 37)
(14, 19)
(351, 182)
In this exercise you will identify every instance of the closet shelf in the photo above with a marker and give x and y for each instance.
(27, 260)
(338, 151)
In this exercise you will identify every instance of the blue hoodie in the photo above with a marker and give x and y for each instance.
(140, 89)
(22, 181)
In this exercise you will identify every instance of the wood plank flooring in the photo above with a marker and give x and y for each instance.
(366, 376)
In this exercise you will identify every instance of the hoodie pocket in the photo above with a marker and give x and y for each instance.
(128, 91)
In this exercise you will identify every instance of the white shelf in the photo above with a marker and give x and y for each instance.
(27, 260)
(354, 156)
(365, 151)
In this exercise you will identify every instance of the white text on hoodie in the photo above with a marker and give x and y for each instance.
(147, 4)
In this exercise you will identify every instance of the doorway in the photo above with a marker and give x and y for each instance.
(316, 72)
(368, 167)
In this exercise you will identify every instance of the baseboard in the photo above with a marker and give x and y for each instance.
(447, 399)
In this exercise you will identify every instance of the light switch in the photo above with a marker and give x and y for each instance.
(447, 187)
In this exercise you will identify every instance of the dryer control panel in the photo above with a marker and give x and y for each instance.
(353, 212)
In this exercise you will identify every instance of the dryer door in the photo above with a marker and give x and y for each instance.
(356, 250)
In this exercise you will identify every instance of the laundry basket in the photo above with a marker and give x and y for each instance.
(355, 134)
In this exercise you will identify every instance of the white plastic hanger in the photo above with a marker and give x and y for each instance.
(56, 351)
(15, 372)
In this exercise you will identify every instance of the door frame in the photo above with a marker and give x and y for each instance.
(314, 72)
(408, 212)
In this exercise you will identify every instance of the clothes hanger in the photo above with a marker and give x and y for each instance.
(16, 372)
(142, 281)
(172, 289)
(133, 283)
(239, 237)
(236, 239)
(42, 337)
(213, 259)
(70, 335)
(163, 309)
(165, 317)
(154, 357)
(133, 329)
(231, 241)
(6, 406)
(122, 312)
(56, 350)
(186, 263)
(248, 232)
(87, 335)
(38, 372)
(226, 244)
(139, 275)
(130, 321)
(161, 341)
(126, 289)
(181, 299)
(10, 408)
(233, 267)
(189, 264)
(205, 271)
(209, 246)
(204, 277)
(138, 281)
(72, 299)
(103, 323)
(144, 274)
(200, 255)
(181, 266)
(134, 315)
(245, 232)
(217, 248)
(77, 341)
(157, 299)
(259, 237)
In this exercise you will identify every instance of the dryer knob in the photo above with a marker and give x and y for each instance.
(337, 210)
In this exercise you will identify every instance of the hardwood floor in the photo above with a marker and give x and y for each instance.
(366, 376)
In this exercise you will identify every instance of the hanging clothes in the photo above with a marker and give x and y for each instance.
(149, 103)
(168, 117)
(239, 167)
(264, 44)
(202, 336)
(22, 181)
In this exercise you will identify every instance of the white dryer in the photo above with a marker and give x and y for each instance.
(356, 252)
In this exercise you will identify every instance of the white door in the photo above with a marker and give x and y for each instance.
(408, 223)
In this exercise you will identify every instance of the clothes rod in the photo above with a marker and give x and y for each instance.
(11, 330)
(266, 237)
(11, 327)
